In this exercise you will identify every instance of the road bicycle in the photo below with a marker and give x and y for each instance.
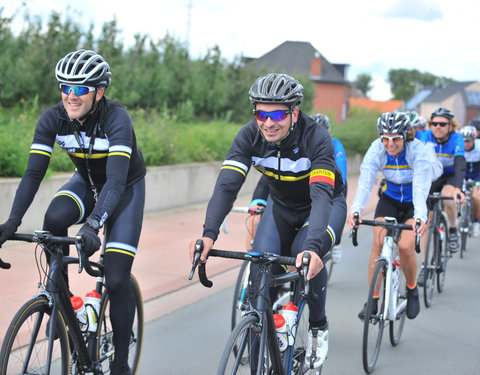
(466, 216)
(389, 284)
(45, 336)
(240, 305)
(252, 347)
(437, 252)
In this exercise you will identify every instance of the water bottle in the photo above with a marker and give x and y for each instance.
(80, 312)
(396, 274)
(281, 328)
(92, 305)
(289, 313)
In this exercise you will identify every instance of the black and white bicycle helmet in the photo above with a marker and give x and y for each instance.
(414, 119)
(468, 132)
(275, 88)
(393, 123)
(83, 67)
(322, 120)
(442, 112)
(475, 122)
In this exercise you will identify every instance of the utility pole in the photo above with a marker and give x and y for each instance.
(189, 14)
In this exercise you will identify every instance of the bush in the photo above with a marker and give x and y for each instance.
(358, 131)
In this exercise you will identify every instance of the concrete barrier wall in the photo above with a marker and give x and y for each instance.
(167, 187)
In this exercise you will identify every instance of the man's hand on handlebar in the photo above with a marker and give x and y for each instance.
(207, 246)
(315, 266)
(351, 220)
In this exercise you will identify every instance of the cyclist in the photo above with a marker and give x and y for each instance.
(406, 164)
(418, 124)
(475, 122)
(297, 158)
(107, 188)
(451, 152)
(472, 157)
(259, 198)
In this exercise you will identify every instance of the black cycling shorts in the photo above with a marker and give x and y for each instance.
(388, 206)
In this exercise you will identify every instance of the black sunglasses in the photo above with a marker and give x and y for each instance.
(441, 123)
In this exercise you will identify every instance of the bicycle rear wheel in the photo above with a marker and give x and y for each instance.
(240, 293)
(105, 346)
(374, 320)
(430, 266)
(396, 326)
(25, 346)
(240, 355)
(443, 255)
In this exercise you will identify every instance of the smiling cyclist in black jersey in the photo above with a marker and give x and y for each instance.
(107, 188)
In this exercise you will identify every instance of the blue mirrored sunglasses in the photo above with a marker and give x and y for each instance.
(77, 90)
(274, 115)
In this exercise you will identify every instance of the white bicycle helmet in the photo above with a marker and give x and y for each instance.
(83, 67)
(393, 123)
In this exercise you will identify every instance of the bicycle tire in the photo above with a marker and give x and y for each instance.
(430, 267)
(238, 356)
(396, 326)
(443, 255)
(297, 364)
(464, 227)
(105, 333)
(29, 327)
(240, 293)
(374, 320)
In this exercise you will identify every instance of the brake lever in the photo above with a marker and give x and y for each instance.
(417, 237)
(305, 264)
(198, 253)
(81, 255)
(353, 231)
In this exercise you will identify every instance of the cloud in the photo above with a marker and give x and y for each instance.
(420, 10)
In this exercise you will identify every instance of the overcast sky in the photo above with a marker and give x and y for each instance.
(373, 36)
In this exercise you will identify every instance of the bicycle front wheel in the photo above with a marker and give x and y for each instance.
(241, 353)
(396, 326)
(374, 320)
(443, 255)
(25, 346)
(105, 345)
(430, 266)
(240, 293)
(297, 364)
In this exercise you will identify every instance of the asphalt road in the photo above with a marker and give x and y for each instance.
(443, 339)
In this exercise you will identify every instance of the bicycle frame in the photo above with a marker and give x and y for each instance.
(57, 293)
(388, 253)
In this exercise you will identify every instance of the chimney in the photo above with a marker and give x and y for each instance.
(316, 65)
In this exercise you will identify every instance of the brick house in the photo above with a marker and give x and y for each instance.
(300, 59)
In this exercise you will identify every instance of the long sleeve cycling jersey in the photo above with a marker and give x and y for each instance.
(451, 154)
(114, 163)
(301, 172)
(340, 158)
(472, 157)
(408, 176)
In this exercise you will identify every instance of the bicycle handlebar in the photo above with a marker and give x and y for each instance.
(385, 224)
(247, 210)
(46, 238)
(250, 256)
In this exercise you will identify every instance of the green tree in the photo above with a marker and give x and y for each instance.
(363, 83)
(405, 83)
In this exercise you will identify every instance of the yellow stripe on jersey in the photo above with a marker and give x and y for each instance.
(93, 156)
(119, 154)
(40, 152)
(113, 250)
(234, 169)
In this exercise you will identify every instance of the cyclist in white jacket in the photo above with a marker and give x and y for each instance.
(407, 166)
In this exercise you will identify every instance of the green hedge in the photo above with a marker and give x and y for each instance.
(163, 139)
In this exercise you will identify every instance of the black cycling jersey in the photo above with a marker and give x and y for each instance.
(114, 163)
(301, 172)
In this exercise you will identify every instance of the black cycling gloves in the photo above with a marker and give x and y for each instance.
(91, 241)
